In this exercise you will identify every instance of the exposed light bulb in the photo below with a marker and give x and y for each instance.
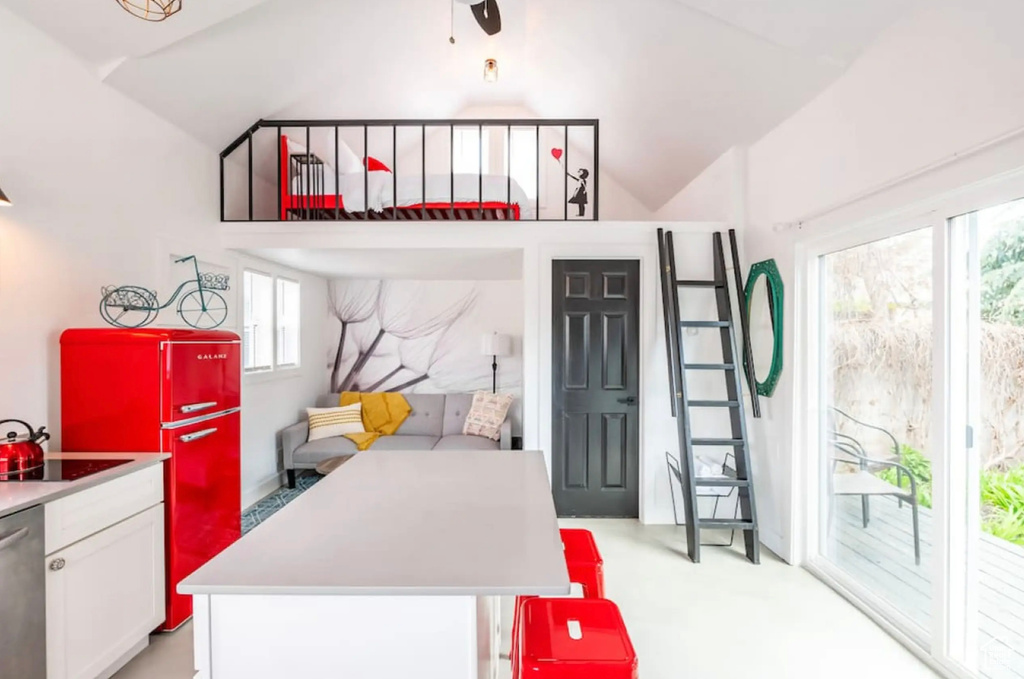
(491, 71)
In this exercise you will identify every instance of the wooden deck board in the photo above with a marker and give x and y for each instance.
(881, 557)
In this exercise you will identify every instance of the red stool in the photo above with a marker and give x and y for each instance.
(574, 639)
(586, 569)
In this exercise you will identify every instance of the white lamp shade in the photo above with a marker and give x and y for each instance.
(493, 344)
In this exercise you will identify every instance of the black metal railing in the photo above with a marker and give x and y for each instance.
(280, 170)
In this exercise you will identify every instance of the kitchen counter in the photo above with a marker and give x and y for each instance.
(405, 523)
(18, 495)
(391, 566)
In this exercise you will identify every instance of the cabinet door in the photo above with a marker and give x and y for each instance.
(104, 595)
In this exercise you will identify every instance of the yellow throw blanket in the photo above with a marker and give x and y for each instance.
(383, 414)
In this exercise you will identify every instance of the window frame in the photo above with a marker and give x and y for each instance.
(278, 365)
(275, 367)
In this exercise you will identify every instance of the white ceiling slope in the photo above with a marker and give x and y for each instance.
(675, 83)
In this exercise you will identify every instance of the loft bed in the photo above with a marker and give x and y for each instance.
(477, 170)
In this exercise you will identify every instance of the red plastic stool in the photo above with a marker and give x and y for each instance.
(586, 569)
(574, 639)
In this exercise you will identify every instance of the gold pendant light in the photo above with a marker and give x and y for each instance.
(151, 10)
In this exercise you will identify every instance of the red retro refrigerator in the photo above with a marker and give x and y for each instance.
(171, 391)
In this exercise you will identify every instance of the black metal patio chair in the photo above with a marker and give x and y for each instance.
(862, 481)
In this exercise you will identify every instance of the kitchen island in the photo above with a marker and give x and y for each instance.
(389, 567)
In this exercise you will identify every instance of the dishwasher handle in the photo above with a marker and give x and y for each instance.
(10, 540)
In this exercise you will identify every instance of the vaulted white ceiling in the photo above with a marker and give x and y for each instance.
(675, 83)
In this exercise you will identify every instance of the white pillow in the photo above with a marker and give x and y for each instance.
(327, 422)
(487, 415)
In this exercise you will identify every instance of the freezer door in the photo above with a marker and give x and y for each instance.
(203, 500)
(200, 378)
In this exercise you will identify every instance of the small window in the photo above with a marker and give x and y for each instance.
(466, 152)
(287, 323)
(521, 159)
(258, 331)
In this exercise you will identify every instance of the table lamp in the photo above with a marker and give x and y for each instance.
(495, 345)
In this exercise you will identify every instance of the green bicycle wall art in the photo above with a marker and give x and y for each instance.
(200, 303)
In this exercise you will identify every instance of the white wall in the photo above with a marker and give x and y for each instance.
(933, 105)
(103, 192)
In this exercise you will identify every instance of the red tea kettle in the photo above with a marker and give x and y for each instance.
(21, 453)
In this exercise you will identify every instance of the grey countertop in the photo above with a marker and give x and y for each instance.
(405, 523)
(18, 495)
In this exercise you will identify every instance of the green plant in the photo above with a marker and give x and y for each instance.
(919, 466)
(1005, 524)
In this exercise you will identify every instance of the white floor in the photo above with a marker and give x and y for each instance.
(724, 618)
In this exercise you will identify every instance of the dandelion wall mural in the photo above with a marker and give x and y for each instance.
(421, 336)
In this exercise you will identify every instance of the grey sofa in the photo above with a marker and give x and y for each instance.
(435, 424)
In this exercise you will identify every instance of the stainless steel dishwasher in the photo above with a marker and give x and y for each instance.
(22, 596)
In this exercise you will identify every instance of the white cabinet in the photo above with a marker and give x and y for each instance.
(104, 595)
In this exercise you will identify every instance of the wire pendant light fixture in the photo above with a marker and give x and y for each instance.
(151, 10)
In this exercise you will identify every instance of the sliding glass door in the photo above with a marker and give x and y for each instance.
(876, 323)
(987, 496)
(918, 506)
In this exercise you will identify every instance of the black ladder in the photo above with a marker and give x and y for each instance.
(739, 478)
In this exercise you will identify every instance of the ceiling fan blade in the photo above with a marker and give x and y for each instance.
(488, 15)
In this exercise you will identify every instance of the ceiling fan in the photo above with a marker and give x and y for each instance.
(487, 14)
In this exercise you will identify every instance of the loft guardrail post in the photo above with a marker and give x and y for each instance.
(423, 172)
(366, 173)
(597, 169)
(451, 167)
(280, 215)
(250, 176)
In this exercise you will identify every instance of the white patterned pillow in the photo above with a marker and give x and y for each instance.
(487, 415)
(327, 422)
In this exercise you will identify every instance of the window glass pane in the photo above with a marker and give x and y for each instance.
(258, 328)
(522, 159)
(467, 151)
(876, 389)
(287, 322)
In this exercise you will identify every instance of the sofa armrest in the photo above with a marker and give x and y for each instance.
(291, 438)
(505, 442)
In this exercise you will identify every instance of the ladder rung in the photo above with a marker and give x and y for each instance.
(706, 324)
(711, 482)
(699, 284)
(713, 404)
(727, 523)
(718, 442)
(709, 366)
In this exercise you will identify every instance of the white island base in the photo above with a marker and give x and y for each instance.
(326, 637)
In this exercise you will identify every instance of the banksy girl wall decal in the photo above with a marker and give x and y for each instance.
(579, 197)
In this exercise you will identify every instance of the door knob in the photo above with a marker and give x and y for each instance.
(629, 400)
(57, 564)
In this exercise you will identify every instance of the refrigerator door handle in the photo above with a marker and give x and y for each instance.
(196, 435)
(196, 407)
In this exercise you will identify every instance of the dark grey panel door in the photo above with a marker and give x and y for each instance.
(595, 387)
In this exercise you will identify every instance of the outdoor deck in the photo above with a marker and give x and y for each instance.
(882, 558)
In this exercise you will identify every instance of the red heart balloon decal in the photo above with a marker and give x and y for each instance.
(557, 153)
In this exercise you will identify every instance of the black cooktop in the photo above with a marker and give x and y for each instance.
(65, 470)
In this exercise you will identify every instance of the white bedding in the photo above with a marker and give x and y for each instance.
(409, 191)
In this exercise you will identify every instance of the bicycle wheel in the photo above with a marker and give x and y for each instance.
(129, 306)
(200, 316)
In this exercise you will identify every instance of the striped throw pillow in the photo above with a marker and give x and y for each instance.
(327, 422)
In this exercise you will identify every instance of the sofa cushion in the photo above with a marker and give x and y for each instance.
(315, 452)
(463, 442)
(426, 417)
(400, 442)
(487, 414)
(456, 407)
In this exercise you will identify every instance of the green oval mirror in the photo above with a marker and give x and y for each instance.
(764, 298)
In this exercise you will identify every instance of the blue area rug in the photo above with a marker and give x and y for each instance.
(271, 504)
